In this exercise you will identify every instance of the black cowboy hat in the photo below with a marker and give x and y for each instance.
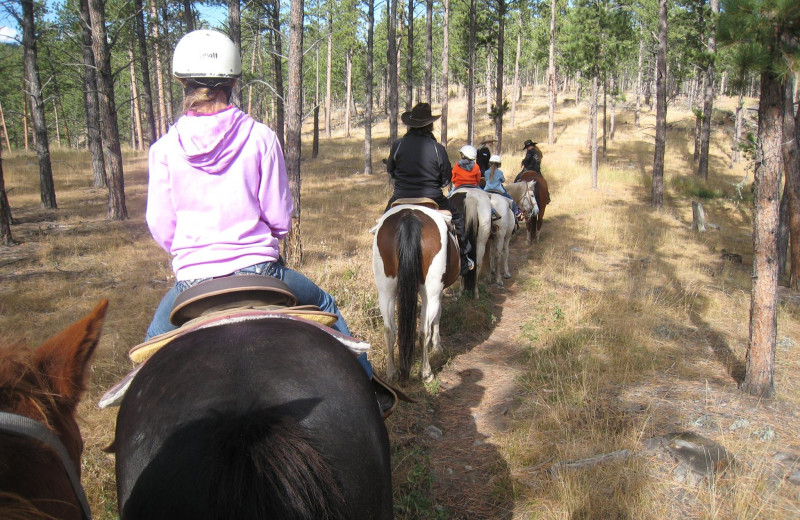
(527, 144)
(419, 116)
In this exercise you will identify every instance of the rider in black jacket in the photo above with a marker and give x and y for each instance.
(419, 166)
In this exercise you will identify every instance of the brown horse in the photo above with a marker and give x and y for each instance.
(412, 255)
(542, 194)
(40, 442)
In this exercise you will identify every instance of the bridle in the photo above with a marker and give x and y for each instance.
(528, 196)
(27, 427)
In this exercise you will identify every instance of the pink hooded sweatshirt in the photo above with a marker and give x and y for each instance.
(218, 197)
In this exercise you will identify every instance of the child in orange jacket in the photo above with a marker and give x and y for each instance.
(466, 171)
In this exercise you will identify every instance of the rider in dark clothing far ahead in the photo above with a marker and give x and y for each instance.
(532, 160)
(420, 167)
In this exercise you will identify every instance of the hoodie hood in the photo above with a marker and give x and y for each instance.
(209, 142)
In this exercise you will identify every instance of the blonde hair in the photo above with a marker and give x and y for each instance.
(204, 100)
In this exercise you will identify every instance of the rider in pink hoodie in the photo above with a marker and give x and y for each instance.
(218, 197)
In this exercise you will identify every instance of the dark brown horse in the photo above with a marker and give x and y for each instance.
(40, 442)
(542, 194)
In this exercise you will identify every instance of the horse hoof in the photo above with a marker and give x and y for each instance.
(507, 276)
(428, 379)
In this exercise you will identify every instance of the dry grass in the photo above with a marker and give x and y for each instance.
(634, 326)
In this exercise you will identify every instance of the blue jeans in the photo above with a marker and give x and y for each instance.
(306, 292)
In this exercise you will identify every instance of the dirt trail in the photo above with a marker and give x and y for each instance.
(475, 404)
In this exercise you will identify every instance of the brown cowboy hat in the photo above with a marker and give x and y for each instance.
(419, 116)
(487, 139)
(527, 144)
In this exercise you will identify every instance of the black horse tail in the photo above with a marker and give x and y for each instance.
(409, 277)
(265, 467)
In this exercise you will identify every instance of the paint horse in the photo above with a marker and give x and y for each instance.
(40, 442)
(412, 255)
(542, 195)
(475, 205)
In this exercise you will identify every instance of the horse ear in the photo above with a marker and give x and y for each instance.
(65, 357)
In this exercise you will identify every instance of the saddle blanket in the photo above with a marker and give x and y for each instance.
(141, 353)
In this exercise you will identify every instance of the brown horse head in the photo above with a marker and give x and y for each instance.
(45, 386)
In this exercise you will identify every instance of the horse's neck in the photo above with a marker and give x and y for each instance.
(516, 190)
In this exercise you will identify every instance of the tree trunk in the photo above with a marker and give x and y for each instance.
(5, 130)
(137, 120)
(498, 122)
(94, 135)
(471, 73)
(445, 68)
(428, 50)
(593, 126)
(188, 17)
(348, 100)
(551, 76)
(737, 130)
(5, 210)
(108, 113)
(154, 41)
(760, 362)
(657, 196)
(410, 57)
(235, 32)
(167, 65)
(613, 119)
(329, 73)
(368, 94)
(294, 123)
(315, 141)
(791, 162)
(278, 66)
(639, 83)
(144, 65)
(34, 92)
(391, 64)
(516, 88)
(708, 97)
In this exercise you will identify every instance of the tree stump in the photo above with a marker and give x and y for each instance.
(698, 217)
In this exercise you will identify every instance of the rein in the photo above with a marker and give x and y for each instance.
(531, 201)
(27, 427)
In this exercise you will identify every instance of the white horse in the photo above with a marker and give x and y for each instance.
(476, 207)
(412, 254)
(524, 194)
(501, 239)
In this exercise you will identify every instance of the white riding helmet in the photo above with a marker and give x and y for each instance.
(469, 152)
(206, 54)
(494, 159)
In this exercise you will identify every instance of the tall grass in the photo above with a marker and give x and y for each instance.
(634, 326)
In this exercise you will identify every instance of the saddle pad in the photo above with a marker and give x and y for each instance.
(419, 201)
(141, 353)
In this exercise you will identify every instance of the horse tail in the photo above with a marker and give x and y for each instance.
(409, 277)
(471, 225)
(264, 466)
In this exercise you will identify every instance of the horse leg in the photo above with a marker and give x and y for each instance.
(425, 338)
(530, 228)
(505, 254)
(387, 302)
(539, 220)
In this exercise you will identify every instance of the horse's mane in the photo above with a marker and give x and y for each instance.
(268, 451)
(15, 507)
(21, 383)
